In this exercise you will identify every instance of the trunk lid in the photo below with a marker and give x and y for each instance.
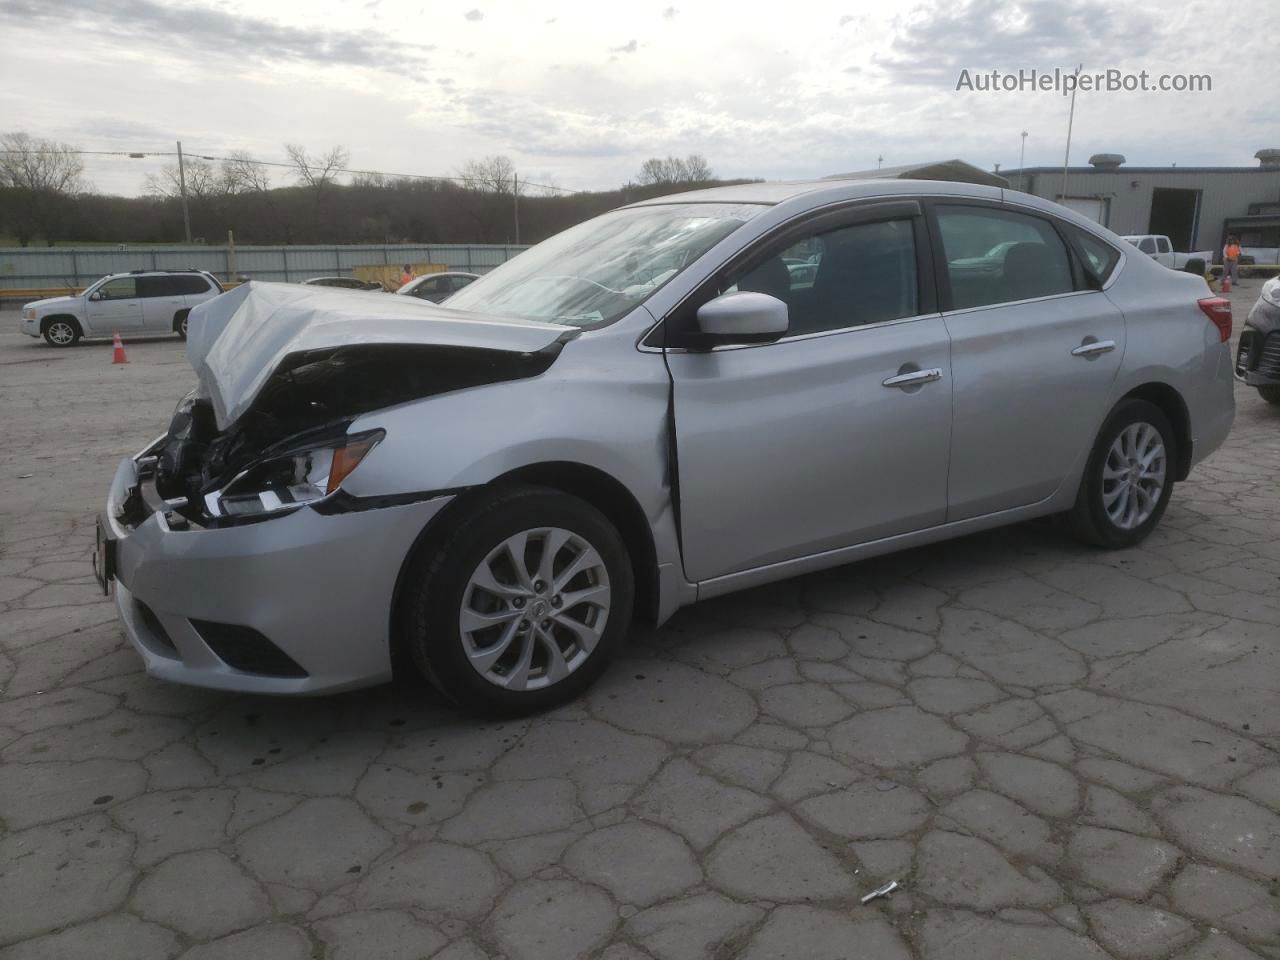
(237, 340)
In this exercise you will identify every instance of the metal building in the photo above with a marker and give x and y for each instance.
(1196, 207)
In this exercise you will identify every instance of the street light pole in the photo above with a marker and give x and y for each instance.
(182, 188)
(1022, 159)
(1071, 117)
(515, 198)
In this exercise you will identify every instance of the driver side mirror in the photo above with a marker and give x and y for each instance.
(740, 318)
(96, 295)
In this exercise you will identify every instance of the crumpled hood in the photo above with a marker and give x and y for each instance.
(237, 340)
(52, 302)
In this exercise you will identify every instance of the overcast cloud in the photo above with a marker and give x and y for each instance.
(583, 92)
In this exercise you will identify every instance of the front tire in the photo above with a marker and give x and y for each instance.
(180, 323)
(1271, 394)
(519, 603)
(1129, 478)
(60, 332)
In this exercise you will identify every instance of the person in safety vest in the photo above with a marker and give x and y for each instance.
(1231, 257)
(407, 275)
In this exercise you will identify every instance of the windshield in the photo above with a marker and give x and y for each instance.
(599, 270)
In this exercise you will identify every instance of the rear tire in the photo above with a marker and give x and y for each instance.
(498, 639)
(60, 332)
(1271, 394)
(1129, 478)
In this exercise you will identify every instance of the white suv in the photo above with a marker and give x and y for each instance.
(141, 302)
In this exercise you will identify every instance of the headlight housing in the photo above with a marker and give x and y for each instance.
(289, 480)
(28, 314)
(1271, 291)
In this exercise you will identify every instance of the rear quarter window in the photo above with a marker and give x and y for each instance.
(1097, 257)
(191, 284)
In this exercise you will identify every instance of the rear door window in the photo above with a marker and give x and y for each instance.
(998, 256)
(151, 287)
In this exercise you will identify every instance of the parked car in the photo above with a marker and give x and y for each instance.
(1258, 355)
(490, 489)
(141, 302)
(1159, 249)
(346, 283)
(436, 286)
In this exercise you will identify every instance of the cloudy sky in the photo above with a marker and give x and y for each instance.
(580, 93)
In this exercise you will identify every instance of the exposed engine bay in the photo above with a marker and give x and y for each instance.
(288, 447)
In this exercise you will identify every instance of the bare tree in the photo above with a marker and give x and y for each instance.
(202, 180)
(318, 171)
(697, 169)
(39, 177)
(242, 174)
(691, 169)
(377, 181)
(494, 174)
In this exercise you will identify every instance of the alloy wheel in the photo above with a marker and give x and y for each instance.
(1133, 476)
(61, 333)
(534, 609)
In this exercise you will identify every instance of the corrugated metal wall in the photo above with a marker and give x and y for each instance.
(79, 266)
(1224, 193)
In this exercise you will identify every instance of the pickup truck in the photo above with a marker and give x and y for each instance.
(1158, 247)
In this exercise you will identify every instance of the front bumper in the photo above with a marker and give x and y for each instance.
(30, 326)
(1258, 355)
(318, 588)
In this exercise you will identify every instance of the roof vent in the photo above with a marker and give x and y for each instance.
(1269, 159)
(1106, 161)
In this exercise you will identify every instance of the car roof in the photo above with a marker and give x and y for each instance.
(795, 197)
(158, 273)
(819, 192)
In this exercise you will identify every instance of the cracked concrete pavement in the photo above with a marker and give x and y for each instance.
(1057, 752)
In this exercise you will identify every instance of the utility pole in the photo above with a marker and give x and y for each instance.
(1022, 159)
(515, 199)
(182, 188)
(1071, 117)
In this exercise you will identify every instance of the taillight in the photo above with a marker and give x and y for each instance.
(1218, 310)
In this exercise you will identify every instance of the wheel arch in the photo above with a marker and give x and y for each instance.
(591, 484)
(177, 317)
(1173, 406)
(46, 320)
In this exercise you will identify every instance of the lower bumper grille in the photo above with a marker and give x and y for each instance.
(159, 635)
(1269, 357)
(1259, 353)
(245, 649)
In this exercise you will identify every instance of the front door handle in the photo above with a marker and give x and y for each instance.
(915, 378)
(1093, 348)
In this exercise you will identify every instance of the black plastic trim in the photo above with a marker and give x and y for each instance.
(343, 502)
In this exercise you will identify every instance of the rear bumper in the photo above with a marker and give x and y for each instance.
(318, 588)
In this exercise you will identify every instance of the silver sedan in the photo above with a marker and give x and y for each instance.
(647, 410)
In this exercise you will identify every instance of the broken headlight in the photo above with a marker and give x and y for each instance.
(292, 479)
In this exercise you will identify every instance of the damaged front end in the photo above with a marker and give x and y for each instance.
(291, 448)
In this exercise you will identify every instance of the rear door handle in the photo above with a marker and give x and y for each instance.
(915, 378)
(1093, 348)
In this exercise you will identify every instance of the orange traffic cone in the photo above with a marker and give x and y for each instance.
(117, 349)
(1226, 282)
